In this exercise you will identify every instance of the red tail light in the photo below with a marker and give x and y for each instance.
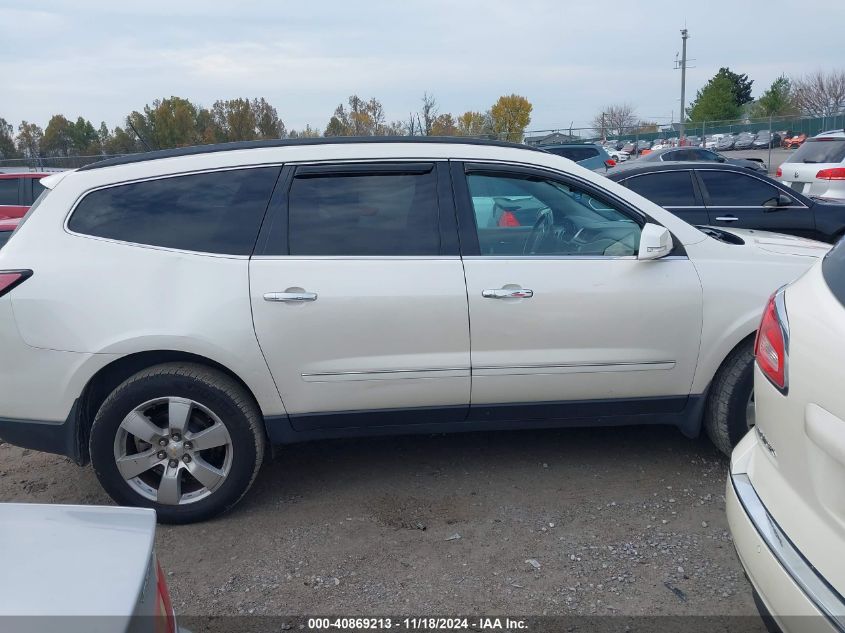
(835, 173)
(508, 219)
(610, 162)
(9, 279)
(779, 173)
(771, 346)
(165, 619)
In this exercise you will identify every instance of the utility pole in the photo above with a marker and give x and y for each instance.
(683, 66)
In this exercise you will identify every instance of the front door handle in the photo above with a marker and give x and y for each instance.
(727, 218)
(290, 297)
(507, 293)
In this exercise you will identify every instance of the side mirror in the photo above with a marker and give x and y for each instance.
(721, 159)
(655, 242)
(778, 202)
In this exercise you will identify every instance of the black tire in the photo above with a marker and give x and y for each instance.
(725, 417)
(222, 395)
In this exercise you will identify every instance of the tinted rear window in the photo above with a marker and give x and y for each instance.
(4, 237)
(668, 189)
(817, 151)
(833, 270)
(575, 153)
(9, 191)
(217, 212)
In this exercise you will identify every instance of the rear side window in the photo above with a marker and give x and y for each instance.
(576, 154)
(820, 151)
(4, 237)
(732, 189)
(364, 214)
(9, 191)
(218, 212)
(668, 189)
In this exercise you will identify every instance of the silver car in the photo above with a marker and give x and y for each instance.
(89, 569)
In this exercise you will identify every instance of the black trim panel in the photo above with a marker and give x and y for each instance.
(681, 411)
(363, 169)
(49, 437)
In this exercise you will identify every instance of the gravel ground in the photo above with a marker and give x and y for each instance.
(564, 522)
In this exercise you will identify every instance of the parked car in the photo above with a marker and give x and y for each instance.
(793, 142)
(590, 155)
(630, 148)
(784, 494)
(297, 290)
(691, 141)
(701, 154)
(76, 569)
(7, 227)
(726, 143)
(710, 141)
(659, 144)
(643, 145)
(817, 168)
(745, 141)
(766, 139)
(618, 155)
(729, 196)
(18, 190)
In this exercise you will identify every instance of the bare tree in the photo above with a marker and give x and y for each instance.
(429, 112)
(820, 93)
(615, 119)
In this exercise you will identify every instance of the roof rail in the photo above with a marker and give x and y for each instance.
(332, 140)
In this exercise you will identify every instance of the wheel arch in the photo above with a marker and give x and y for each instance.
(106, 379)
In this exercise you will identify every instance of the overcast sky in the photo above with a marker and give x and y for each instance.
(103, 59)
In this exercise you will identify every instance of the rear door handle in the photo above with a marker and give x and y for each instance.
(727, 218)
(507, 293)
(290, 297)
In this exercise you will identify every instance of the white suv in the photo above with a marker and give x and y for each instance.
(171, 314)
(817, 168)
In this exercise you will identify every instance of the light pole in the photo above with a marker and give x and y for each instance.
(683, 66)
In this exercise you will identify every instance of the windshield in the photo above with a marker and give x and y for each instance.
(820, 151)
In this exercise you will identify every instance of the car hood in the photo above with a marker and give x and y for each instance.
(779, 243)
(62, 560)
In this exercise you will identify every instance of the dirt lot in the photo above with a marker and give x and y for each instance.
(588, 521)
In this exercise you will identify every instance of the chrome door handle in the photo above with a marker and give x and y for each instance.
(290, 297)
(507, 293)
(727, 218)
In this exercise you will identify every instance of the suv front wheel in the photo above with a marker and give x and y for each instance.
(180, 438)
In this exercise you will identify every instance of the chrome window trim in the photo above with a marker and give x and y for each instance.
(824, 597)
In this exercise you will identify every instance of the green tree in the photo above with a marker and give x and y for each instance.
(714, 102)
(510, 115)
(776, 101)
(29, 139)
(84, 138)
(58, 139)
(167, 123)
(122, 141)
(740, 85)
(267, 121)
(7, 142)
(360, 118)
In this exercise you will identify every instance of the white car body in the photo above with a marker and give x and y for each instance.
(618, 155)
(785, 501)
(80, 569)
(386, 343)
(823, 155)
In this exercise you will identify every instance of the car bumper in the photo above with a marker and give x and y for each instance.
(62, 438)
(792, 591)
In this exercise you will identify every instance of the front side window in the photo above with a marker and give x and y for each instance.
(359, 214)
(9, 191)
(732, 189)
(529, 215)
(668, 189)
(216, 212)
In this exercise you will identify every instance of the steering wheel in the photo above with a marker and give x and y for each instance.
(543, 225)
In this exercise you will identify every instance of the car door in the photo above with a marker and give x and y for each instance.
(675, 191)
(743, 200)
(359, 299)
(565, 321)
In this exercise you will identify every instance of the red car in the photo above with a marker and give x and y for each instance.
(18, 191)
(6, 227)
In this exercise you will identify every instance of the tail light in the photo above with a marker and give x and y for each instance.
(835, 173)
(508, 219)
(779, 173)
(610, 162)
(9, 279)
(165, 618)
(772, 345)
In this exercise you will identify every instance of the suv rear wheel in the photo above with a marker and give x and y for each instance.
(183, 439)
(729, 413)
